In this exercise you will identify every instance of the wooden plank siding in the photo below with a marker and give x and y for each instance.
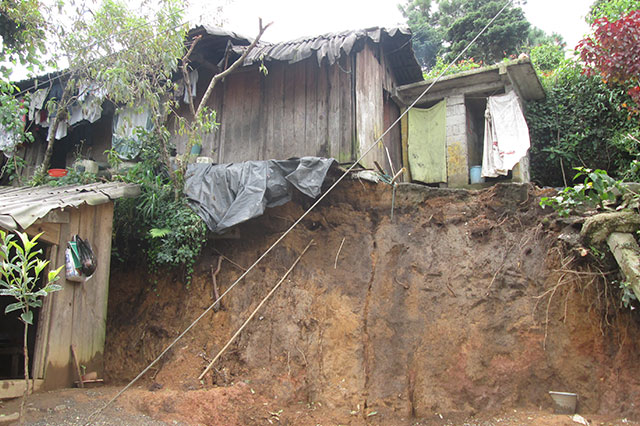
(303, 109)
(295, 110)
(369, 108)
(78, 312)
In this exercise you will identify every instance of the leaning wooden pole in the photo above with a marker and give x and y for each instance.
(237, 333)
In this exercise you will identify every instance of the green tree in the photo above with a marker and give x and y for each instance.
(20, 269)
(580, 123)
(117, 51)
(503, 38)
(445, 28)
(547, 57)
(427, 35)
(612, 9)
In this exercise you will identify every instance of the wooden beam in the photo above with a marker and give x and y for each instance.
(408, 98)
(15, 388)
(55, 216)
(51, 231)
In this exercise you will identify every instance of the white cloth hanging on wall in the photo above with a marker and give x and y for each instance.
(506, 135)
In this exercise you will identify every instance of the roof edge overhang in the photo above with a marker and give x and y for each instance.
(22, 207)
(519, 74)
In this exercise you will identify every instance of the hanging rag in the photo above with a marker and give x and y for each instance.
(8, 140)
(37, 102)
(506, 135)
(125, 141)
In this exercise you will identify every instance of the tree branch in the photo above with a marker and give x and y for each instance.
(229, 70)
(185, 73)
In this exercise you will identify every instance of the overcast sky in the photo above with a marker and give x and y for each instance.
(295, 18)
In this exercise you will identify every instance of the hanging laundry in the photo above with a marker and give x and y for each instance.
(8, 141)
(506, 135)
(37, 102)
(125, 122)
(61, 131)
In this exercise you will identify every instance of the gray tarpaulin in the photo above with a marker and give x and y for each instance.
(224, 195)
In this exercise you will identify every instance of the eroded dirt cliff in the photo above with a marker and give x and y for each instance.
(443, 309)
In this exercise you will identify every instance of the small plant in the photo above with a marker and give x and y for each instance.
(628, 296)
(599, 190)
(20, 268)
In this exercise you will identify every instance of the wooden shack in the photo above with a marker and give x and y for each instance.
(459, 122)
(327, 96)
(77, 314)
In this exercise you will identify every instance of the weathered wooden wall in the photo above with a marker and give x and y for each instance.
(77, 314)
(300, 109)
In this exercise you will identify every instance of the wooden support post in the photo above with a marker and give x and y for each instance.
(77, 364)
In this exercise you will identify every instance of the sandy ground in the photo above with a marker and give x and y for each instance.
(71, 407)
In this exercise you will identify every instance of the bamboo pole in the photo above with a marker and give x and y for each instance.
(237, 333)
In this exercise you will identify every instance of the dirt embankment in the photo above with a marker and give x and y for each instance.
(436, 312)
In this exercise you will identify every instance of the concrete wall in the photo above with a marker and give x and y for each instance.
(457, 145)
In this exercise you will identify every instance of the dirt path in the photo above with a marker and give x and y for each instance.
(140, 407)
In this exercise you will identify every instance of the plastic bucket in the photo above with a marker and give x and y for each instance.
(475, 174)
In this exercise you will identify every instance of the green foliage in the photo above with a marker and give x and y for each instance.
(502, 39)
(547, 57)
(129, 55)
(627, 295)
(20, 269)
(159, 222)
(612, 9)
(427, 35)
(447, 29)
(22, 29)
(599, 190)
(575, 126)
(460, 66)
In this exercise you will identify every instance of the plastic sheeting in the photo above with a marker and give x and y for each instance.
(224, 195)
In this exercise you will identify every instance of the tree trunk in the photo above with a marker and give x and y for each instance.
(61, 112)
(26, 374)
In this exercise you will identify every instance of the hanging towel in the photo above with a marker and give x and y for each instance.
(506, 135)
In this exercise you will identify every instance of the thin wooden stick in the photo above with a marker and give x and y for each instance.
(242, 268)
(77, 364)
(214, 274)
(335, 264)
(206, 370)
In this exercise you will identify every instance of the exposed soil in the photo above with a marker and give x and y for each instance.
(436, 312)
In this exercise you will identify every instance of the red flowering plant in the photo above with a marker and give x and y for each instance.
(614, 52)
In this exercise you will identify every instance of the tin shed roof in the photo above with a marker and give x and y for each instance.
(332, 46)
(21, 207)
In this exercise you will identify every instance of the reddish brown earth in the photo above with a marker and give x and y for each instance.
(437, 312)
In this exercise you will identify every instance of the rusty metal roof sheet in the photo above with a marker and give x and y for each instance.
(330, 47)
(21, 207)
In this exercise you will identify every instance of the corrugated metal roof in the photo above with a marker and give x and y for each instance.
(21, 207)
(332, 46)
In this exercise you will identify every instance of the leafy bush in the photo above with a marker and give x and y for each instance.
(547, 57)
(599, 190)
(159, 222)
(460, 66)
(581, 123)
(612, 9)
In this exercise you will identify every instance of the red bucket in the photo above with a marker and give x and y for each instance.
(57, 172)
